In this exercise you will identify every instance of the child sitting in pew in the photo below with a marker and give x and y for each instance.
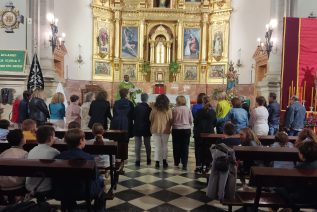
(229, 132)
(281, 140)
(293, 193)
(305, 135)
(98, 131)
(68, 189)
(73, 125)
(4, 130)
(45, 138)
(29, 129)
(16, 140)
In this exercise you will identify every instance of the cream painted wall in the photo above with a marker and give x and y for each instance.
(305, 7)
(248, 21)
(75, 19)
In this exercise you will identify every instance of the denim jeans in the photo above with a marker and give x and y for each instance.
(273, 129)
(292, 132)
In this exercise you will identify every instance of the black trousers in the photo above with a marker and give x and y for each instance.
(197, 151)
(180, 139)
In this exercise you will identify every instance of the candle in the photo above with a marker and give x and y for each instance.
(289, 94)
(304, 92)
(312, 97)
(292, 88)
(294, 91)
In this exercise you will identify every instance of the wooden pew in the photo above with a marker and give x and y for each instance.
(108, 148)
(266, 153)
(265, 140)
(50, 168)
(273, 177)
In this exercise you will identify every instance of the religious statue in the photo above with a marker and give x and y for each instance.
(232, 78)
(218, 47)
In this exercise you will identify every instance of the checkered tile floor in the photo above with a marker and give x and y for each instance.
(148, 189)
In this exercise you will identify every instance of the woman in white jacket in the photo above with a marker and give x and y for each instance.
(259, 117)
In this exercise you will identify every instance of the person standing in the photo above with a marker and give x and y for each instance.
(295, 117)
(161, 122)
(73, 110)
(126, 84)
(38, 109)
(259, 117)
(181, 130)
(24, 107)
(15, 110)
(57, 110)
(99, 110)
(141, 128)
(84, 110)
(274, 114)
(222, 109)
(237, 115)
(204, 122)
(123, 120)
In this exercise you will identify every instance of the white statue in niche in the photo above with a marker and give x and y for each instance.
(218, 44)
(160, 51)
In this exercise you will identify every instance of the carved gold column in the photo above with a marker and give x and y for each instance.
(204, 38)
(117, 39)
(168, 50)
(180, 40)
(141, 49)
(152, 46)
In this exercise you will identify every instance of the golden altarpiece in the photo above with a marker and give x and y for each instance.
(191, 33)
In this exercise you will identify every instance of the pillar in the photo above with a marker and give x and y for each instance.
(204, 38)
(141, 39)
(117, 40)
(180, 41)
(152, 46)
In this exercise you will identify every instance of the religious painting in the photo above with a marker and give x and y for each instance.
(130, 42)
(217, 48)
(190, 73)
(130, 70)
(191, 43)
(216, 71)
(193, 1)
(103, 68)
(161, 3)
(103, 42)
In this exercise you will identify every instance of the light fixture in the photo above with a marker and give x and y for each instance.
(269, 43)
(54, 39)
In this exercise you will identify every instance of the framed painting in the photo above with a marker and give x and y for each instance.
(191, 48)
(129, 42)
(190, 73)
(216, 73)
(102, 70)
(130, 70)
(103, 41)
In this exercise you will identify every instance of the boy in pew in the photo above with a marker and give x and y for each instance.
(229, 131)
(4, 130)
(29, 129)
(73, 125)
(45, 138)
(281, 140)
(16, 140)
(68, 189)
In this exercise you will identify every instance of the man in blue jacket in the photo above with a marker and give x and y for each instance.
(274, 114)
(295, 117)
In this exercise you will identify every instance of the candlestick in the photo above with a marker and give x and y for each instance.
(292, 88)
(289, 94)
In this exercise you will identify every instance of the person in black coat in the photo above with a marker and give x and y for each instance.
(205, 122)
(142, 124)
(24, 107)
(123, 120)
(38, 109)
(99, 110)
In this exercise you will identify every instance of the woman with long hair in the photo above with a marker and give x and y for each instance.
(99, 111)
(57, 110)
(38, 109)
(259, 117)
(84, 112)
(305, 135)
(249, 138)
(161, 121)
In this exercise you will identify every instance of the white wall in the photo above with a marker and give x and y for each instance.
(305, 7)
(248, 21)
(75, 19)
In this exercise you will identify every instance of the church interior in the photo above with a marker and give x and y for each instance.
(234, 79)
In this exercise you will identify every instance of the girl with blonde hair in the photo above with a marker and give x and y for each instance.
(57, 110)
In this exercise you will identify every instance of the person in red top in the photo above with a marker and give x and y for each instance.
(15, 110)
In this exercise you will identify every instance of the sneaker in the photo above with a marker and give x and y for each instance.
(148, 162)
(157, 164)
(165, 164)
(137, 163)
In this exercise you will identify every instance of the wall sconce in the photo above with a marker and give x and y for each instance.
(269, 43)
(54, 39)
(79, 58)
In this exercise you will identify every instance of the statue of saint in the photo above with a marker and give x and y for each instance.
(232, 78)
